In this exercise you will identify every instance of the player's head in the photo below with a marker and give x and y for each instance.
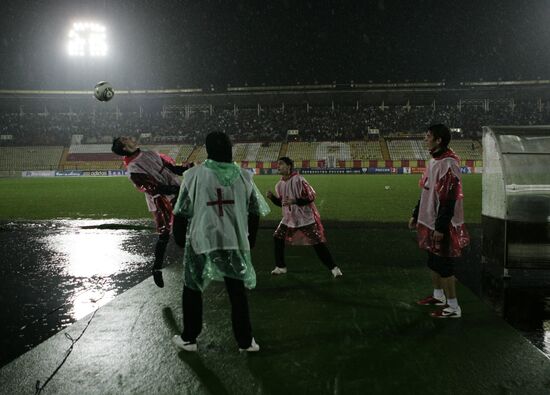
(285, 165)
(438, 136)
(218, 147)
(124, 145)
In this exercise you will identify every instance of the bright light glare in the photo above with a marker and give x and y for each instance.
(87, 39)
(87, 302)
(94, 252)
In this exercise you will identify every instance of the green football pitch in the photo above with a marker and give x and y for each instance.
(349, 198)
(361, 333)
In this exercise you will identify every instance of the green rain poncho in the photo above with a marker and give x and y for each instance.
(217, 197)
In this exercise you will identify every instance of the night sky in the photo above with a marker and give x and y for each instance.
(168, 43)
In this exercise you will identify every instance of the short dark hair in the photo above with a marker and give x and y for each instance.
(118, 148)
(219, 147)
(440, 131)
(288, 161)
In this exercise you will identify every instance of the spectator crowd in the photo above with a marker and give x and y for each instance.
(259, 123)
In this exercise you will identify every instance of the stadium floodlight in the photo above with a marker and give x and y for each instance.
(87, 39)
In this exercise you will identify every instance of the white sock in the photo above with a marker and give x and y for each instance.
(453, 303)
(439, 294)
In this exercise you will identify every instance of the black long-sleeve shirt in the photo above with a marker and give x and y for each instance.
(299, 202)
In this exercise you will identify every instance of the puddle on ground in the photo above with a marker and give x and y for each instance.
(57, 272)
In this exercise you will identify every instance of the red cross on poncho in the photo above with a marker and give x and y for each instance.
(220, 202)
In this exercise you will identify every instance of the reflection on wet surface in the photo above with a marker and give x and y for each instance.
(527, 310)
(541, 337)
(57, 272)
(89, 253)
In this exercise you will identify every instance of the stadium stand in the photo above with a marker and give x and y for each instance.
(269, 152)
(91, 165)
(302, 150)
(251, 153)
(340, 135)
(90, 157)
(91, 153)
(198, 154)
(406, 149)
(374, 150)
(467, 149)
(30, 158)
(415, 149)
(185, 151)
(171, 150)
(326, 153)
(335, 149)
(358, 150)
(100, 157)
(239, 152)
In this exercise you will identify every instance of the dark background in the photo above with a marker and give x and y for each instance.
(169, 43)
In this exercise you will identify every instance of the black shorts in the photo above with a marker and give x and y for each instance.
(442, 265)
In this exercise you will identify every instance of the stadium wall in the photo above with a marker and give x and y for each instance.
(255, 170)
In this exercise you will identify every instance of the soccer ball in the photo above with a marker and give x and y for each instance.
(387, 187)
(104, 91)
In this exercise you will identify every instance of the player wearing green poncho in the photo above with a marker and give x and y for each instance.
(216, 221)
